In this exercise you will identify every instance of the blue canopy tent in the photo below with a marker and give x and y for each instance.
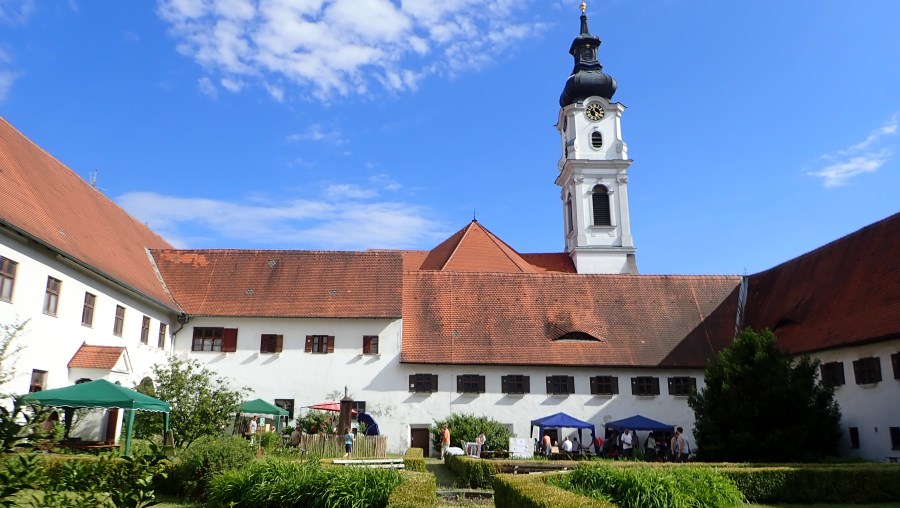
(638, 422)
(371, 426)
(561, 420)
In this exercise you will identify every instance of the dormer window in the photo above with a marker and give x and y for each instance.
(596, 140)
(600, 199)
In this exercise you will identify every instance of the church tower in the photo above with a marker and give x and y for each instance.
(593, 169)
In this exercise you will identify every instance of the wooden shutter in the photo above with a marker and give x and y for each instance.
(504, 384)
(671, 383)
(895, 363)
(434, 383)
(655, 386)
(412, 382)
(367, 344)
(279, 343)
(481, 384)
(459, 383)
(595, 388)
(308, 347)
(330, 344)
(570, 384)
(527, 384)
(615, 384)
(229, 340)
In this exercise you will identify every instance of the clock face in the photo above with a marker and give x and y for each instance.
(594, 112)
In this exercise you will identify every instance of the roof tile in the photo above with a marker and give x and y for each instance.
(96, 357)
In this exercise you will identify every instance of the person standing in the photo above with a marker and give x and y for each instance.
(567, 445)
(678, 445)
(479, 442)
(546, 442)
(295, 437)
(627, 444)
(445, 440)
(598, 445)
(348, 444)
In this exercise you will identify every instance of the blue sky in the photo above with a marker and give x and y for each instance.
(759, 130)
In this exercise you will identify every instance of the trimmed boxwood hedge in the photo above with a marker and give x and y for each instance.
(414, 460)
(417, 490)
(849, 484)
(473, 473)
(533, 491)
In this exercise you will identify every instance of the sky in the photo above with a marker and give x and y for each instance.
(759, 130)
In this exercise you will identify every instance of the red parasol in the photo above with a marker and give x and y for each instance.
(329, 406)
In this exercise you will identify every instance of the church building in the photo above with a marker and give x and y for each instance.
(469, 326)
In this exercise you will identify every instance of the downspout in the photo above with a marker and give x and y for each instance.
(182, 319)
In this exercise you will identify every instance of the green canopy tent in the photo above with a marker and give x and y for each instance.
(261, 407)
(102, 393)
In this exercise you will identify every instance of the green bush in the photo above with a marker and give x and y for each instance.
(417, 490)
(633, 487)
(279, 483)
(534, 491)
(207, 457)
(474, 473)
(315, 421)
(270, 441)
(846, 483)
(465, 428)
(413, 460)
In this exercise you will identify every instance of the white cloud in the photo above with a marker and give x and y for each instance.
(16, 12)
(343, 47)
(7, 75)
(316, 132)
(232, 85)
(206, 87)
(316, 224)
(349, 191)
(867, 156)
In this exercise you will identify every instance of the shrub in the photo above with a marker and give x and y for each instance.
(845, 483)
(413, 460)
(287, 483)
(314, 421)
(207, 457)
(474, 473)
(270, 441)
(417, 490)
(465, 428)
(534, 491)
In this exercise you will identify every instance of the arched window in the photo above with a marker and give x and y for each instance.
(596, 139)
(600, 200)
(569, 222)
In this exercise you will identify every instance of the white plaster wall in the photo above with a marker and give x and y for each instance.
(51, 341)
(870, 408)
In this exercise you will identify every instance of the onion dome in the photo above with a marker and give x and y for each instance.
(587, 77)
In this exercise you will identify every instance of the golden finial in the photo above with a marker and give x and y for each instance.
(583, 7)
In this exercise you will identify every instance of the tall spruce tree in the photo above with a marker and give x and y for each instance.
(760, 404)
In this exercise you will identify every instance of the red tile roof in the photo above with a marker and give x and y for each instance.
(48, 201)
(284, 283)
(96, 357)
(843, 293)
(475, 249)
(516, 318)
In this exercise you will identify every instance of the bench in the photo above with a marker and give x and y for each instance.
(371, 463)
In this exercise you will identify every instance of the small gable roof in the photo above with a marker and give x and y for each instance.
(96, 357)
(284, 283)
(40, 196)
(475, 249)
(844, 293)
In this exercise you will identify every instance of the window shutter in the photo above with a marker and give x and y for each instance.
(570, 384)
(459, 384)
(367, 345)
(634, 390)
(895, 363)
(412, 382)
(548, 385)
(655, 386)
(434, 383)
(308, 347)
(527, 384)
(480, 384)
(331, 343)
(229, 340)
(694, 384)
(504, 384)
(279, 343)
(594, 388)
(614, 384)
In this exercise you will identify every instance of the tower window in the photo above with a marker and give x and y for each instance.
(600, 200)
(570, 223)
(596, 139)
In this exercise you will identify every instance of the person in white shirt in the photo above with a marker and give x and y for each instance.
(627, 440)
(567, 445)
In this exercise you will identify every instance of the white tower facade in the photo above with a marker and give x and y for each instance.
(593, 168)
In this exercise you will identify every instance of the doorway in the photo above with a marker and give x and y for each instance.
(421, 438)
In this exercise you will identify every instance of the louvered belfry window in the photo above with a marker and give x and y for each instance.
(600, 199)
(596, 139)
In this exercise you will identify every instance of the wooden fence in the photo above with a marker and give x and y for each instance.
(331, 446)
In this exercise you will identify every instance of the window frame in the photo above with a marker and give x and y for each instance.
(832, 374)
(515, 384)
(319, 344)
(370, 345)
(226, 337)
(40, 381)
(867, 371)
(161, 338)
(87, 311)
(470, 383)
(894, 433)
(423, 383)
(600, 203)
(682, 386)
(560, 385)
(271, 343)
(288, 405)
(145, 330)
(604, 385)
(645, 386)
(895, 364)
(119, 321)
(8, 269)
(51, 296)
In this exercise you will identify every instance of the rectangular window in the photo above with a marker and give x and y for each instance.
(119, 323)
(560, 385)
(469, 383)
(604, 385)
(895, 438)
(287, 405)
(515, 384)
(423, 383)
(319, 344)
(7, 278)
(145, 330)
(895, 364)
(271, 343)
(161, 341)
(87, 312)
(359, 406)
(51, 297)
(867, 370)
(38, 380)
(645, 385)
(832, 373)
(682, 385)
(854, 437)
(215, 339)
(370, 344)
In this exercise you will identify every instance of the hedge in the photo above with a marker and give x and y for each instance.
(473, 473)
(848, 484)
(417, 490)
(414, 460)
(533, 491)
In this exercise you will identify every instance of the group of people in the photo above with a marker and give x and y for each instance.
(445, 441)
(656, 448)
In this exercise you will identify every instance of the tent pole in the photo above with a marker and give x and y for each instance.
(129, 424)
(166, 422)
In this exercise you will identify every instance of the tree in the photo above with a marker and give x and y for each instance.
(9, 350)
(202, 404)
(314, 422)
(464, 428)
(761, 405)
